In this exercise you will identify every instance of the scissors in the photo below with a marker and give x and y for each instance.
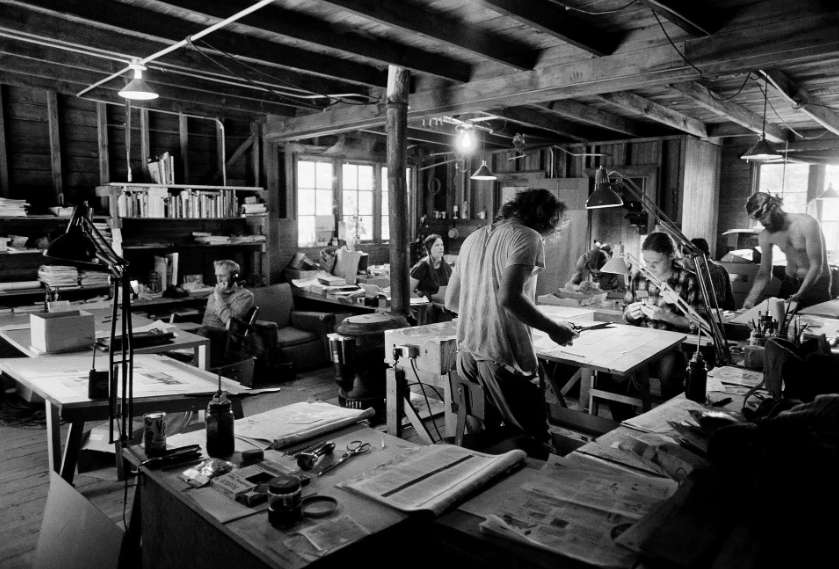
(354, 448)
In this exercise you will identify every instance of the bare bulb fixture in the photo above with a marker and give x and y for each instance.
(466, 140)
(137, 89)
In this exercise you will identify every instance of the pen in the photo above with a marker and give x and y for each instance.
(183, 464)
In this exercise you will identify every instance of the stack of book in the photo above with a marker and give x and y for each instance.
(91, 279)
(251, 206)
(206, 238)
(162, 169)
(58, 275)
(12, 208)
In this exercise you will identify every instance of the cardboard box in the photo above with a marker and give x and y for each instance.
(62, 331)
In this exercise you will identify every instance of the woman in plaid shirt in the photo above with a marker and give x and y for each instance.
(648, 307)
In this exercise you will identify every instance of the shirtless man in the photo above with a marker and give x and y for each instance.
(800, 237)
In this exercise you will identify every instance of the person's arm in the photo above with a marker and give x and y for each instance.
(815, 254)
(512, 298)
(452, 298)
(413, 284)
(237, 306)
(764, 274)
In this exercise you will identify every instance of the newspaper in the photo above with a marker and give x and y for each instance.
(575, 509)
(431, 478)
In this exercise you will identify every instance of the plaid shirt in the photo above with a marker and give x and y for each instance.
(682, 281)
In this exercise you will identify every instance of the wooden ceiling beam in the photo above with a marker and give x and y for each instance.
(170, 30)
(584, 113)
(109, 96)
(420, 21)
(688, 16)
(702, 96)
(538, 118)
(276, 20)
(552, 20)
(212, 99)
(802, 100)
(654, 111)
(798, 40)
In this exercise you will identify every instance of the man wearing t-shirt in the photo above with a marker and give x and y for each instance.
(492, 289)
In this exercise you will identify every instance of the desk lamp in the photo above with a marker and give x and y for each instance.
(82, 246)
(690, 250)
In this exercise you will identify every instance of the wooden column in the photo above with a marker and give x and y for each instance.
(55, 147)
(255, 151)
(102, 140)
(183, 134)
(397, 124)
(145, 145)
(5, 190)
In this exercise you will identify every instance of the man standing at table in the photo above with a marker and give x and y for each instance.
(228, 299)
(492, 288)
(799, 236)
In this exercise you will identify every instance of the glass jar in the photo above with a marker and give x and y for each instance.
(220, 443)
(285, 501)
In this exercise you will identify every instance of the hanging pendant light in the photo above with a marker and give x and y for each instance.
(762, 151)
(483, 173)
(828, 194)
(137, 89)
(604, 195)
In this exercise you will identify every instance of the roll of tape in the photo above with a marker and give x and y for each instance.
(753, 357)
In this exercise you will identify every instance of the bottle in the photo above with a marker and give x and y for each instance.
(697, 378)
(285, 499)
(220, 443)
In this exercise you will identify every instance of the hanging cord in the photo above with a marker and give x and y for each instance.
(424, 394)
(590, 13)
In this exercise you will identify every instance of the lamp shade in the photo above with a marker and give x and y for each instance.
(76, 247)
(604, 195)
(828, 194)
(483, 173)
(137, 90)
(761, 151)
(616, 266)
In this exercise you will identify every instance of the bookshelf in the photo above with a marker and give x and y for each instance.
(155, 219)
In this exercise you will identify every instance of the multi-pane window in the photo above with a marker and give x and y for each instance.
(829, 210)
(789, 181)
(358, 197)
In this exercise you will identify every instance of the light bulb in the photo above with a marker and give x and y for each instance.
(466, 140)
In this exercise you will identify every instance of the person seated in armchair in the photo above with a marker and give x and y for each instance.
(228, 299)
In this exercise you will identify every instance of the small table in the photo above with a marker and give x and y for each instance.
(15, 330)
(61, 381)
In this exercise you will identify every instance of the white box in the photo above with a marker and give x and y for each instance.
(62, 331)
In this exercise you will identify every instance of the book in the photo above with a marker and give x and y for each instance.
(331, 280)
(298, 422)
(431, 478)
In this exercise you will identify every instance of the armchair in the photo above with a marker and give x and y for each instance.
(301, 336)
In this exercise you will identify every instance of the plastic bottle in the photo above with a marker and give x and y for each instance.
(220, 443)
(697, 379)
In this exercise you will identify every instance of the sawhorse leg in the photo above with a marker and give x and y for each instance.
(399, 404)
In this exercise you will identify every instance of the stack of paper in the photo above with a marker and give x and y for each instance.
(58, 275)
(91, 279)
(12, 208)
(213, 240)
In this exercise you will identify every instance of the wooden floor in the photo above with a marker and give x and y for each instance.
(24, 478)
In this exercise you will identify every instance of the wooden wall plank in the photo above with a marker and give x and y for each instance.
(700, 190)
(145, 144)
(183, 140)
(5, 190)
(55, 147)
(102, 143)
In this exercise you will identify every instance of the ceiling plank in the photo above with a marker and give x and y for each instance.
(276, 20)
(656, 112)
(80, 78)
(546, 121)
(802, 100)
(689, 16)
(700, 95)
(552, 20)
(420, 21)
(584, 113)
(796, 40)
(170, 30)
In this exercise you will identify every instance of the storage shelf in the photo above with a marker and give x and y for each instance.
(195, 218)
(60, 289)
(139, 187)
(187, 246)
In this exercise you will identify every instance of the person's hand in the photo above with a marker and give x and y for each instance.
(796, 298)
(748, 304)
(653, 312)
(635, 311)
(219, 289)
(563, 334)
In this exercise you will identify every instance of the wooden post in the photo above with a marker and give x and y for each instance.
(102, 140)
(255, 151)
(183, 135)
(397, 124)
(5, 190)
(55, 147)
(145, 145)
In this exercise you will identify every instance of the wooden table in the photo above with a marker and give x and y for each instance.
(67, 400)
(421, 306)
(177, 531)
(15, 330)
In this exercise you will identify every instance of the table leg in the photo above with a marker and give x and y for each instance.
(53, 436)
(393, 403)
(71, 450)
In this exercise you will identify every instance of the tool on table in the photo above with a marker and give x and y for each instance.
(181, 454)
(354, 448)
(307, 460)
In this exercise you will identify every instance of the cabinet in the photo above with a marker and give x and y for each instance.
(19, 265)
(155, 219)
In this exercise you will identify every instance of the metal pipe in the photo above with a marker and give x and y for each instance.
(223, 153)
(180, 44)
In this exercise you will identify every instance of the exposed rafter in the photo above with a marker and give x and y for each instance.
(586, 114)
(551, 19)
(731, 111)
(692, 16)
(656, 112)
(803, 100)
(415, 20)
(278, 21)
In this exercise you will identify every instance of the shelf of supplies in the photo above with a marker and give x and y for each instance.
(138, 186)
(24, 252)
(59, 289)
(157, 246)
(196, 218)
(46, 218)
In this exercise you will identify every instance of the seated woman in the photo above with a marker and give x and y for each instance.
(649, 307)
(430, 276)
(589, 265)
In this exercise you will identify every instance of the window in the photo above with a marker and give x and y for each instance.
(788, 180)
(358, 198)
(829, 210)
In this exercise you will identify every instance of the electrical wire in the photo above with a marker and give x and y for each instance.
(424, 394)
(574, 9)
(16, 412)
